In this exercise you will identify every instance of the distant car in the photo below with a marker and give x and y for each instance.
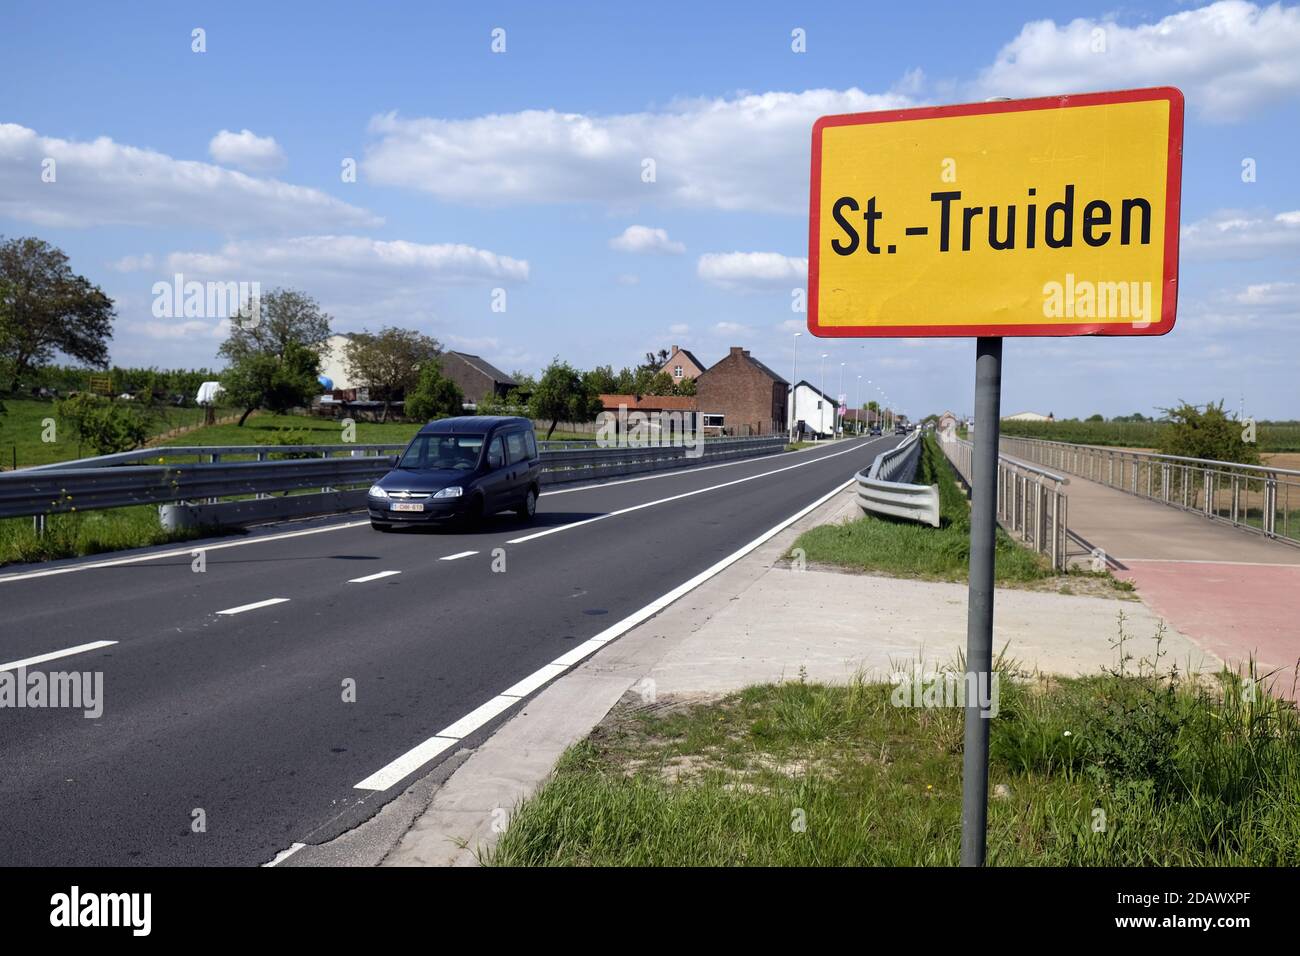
(462, 468)
(900, 429)
(875, 431)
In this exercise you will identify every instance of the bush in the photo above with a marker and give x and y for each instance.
(105, 425)
(434, 396)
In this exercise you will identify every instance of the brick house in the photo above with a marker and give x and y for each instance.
(682, 364)
(742, 396)
(477, 379)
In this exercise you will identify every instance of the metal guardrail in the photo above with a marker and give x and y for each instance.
(1031, 503)
(1254, 498)
(114, 481)
(885, 487)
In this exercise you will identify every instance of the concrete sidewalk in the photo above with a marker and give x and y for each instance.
(756, 621)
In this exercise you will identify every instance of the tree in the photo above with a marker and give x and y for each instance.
(274, 382)
(1205, 433)
(563, 394)
(274, 355)
(285, 317)
(389, 362)
(46, 308)
(434, 396)
(103, 424)
(1095, 418)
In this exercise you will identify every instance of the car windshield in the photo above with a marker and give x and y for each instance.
(443, 451)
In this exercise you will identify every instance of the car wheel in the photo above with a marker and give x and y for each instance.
(528, 508)
(473, 516)
(380, 526)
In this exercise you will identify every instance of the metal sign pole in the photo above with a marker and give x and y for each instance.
(979, 610)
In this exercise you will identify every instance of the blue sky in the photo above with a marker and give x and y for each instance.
(480, 171)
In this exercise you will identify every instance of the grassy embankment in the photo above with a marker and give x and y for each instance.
(1115, 770)
(907, 549)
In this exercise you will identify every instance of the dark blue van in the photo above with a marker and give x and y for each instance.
(466, 468)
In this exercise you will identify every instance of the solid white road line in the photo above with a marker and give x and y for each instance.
(421, 754)
(679, 472)
(254, 606)
(55, 655)
(285, 854)
(373, 577)
(685, 494)
(406, 764)
(457, 556)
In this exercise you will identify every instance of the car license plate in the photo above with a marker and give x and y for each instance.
(407, 506)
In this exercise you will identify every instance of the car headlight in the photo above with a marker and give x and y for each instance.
(377, 492)
(453, 492)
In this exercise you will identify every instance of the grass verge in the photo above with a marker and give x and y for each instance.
(90, 532)
(908, 549)
(1121, 769)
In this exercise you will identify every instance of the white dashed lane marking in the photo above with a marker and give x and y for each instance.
(373, 577)
(254, 606)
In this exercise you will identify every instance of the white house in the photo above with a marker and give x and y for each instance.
(332, 364)
(815, 409)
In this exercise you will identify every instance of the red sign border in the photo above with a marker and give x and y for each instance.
(1173, 196)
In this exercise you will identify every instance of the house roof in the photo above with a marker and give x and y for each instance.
(650, 403)
(744, 354)
(689, 354)
(487, 368)
(767, 371)
(804, 383)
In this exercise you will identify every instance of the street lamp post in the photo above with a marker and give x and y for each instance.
(839, 422)
(857, 406)
(821, 418)
(794, 386)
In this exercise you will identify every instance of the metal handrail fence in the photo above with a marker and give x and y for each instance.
(1031, 502)
(1256, 498)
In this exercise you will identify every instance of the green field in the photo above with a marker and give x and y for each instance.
(22, 428)
(1273, 437)
(1101, 771)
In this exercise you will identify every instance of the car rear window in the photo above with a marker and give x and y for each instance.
(443, 451)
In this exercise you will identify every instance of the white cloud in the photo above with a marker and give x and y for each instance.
(751, 270)
(679, 328)
(140, 263)
(646, 239)
(1237, 235)
(749, 153)
(1270, 294)
(106, 183)
(246, 150)
(628, 278)
(1229, 58)
(307, 260)
(190, 329)
(731, 329)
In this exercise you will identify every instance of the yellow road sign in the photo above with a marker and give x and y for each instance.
(1050, 216)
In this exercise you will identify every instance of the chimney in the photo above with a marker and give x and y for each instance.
(738, 351)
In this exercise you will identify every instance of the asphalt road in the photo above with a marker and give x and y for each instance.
(239, 720)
